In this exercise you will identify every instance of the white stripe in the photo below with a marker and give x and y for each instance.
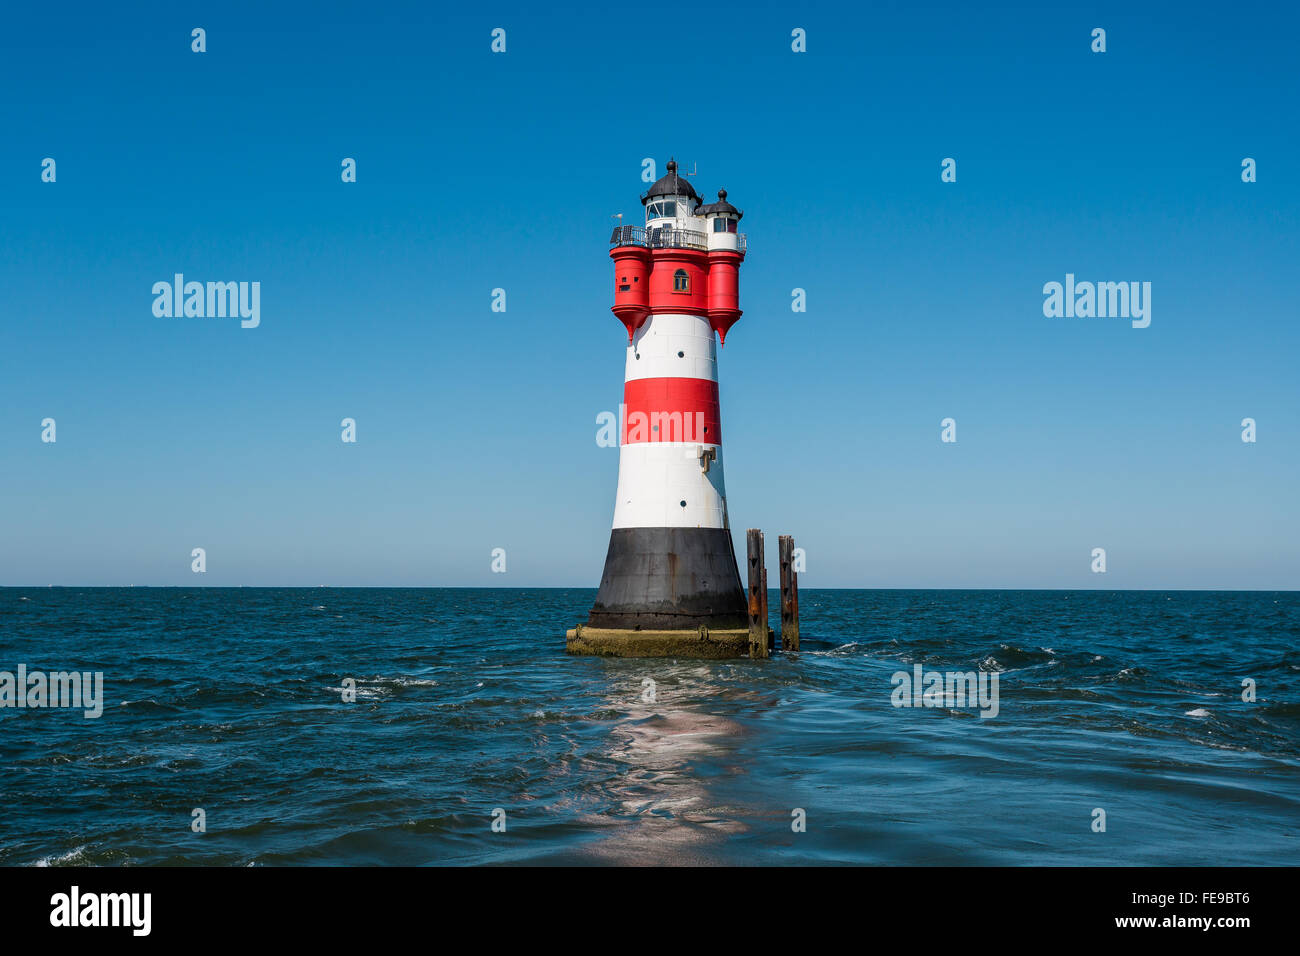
(654, 478)
(654, 348)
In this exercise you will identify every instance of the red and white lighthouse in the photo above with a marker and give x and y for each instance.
(671, 565)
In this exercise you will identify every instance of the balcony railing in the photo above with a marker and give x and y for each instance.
(664, 237)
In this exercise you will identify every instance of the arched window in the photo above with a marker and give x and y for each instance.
(680, 281)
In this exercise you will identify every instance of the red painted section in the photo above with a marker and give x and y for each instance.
(647, 281)
(683, 409)
(724, 291)
(665, 296)
(631, 286)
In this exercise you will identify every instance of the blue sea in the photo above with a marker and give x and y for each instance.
(468, 712)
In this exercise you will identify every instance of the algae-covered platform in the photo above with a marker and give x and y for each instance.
(701, 642)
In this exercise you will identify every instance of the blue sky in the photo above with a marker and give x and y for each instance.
(476, 170)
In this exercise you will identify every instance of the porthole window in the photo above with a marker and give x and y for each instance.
(681, 282)
(681, 355)
(682, 503)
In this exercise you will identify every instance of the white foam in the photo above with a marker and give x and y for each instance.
(68, 857)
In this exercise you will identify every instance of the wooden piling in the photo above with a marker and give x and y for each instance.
(767, 631)
(757, 594)
(789, 594)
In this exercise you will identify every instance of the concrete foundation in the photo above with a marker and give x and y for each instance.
(702, 642)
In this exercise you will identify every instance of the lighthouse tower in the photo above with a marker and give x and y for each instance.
(671, 566)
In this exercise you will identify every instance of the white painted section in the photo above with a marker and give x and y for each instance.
(654, 348)
(684, 219)
(654, 478)
(694, 223)
(721, 240)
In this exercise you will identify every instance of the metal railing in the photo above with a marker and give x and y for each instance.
(669, 237)
(664, 237)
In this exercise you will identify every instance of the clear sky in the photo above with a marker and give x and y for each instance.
(477, 429)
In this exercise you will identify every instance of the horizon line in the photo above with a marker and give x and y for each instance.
(554, 587)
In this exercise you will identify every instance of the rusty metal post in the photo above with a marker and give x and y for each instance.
(757, 594)
(789, 594)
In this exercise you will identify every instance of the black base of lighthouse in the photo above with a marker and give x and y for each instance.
(670, 579)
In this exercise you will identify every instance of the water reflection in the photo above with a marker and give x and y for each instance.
(667, 751)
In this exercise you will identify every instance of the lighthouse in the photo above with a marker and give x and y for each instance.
(671, 584)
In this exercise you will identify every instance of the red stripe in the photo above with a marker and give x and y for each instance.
(671, 409)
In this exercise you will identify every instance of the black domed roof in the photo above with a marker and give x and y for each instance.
(721, 206)
(670, 184)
